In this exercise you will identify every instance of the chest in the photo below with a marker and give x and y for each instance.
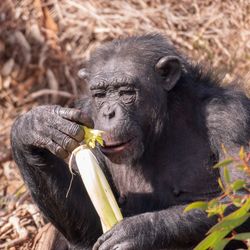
(166, 180)
(135, 190)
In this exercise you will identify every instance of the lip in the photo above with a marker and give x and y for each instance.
(115, 147)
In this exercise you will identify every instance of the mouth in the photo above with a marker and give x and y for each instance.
(116, 147)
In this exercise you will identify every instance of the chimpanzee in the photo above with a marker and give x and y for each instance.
(165, 120)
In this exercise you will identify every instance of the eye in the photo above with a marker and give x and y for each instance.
(99, 95)
(128, 92)
(127, 96)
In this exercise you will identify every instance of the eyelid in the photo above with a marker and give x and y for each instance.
(99, 94)
(127, 91)
(126, 88)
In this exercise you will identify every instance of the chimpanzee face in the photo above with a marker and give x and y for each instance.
(129, 101)
(119, 99)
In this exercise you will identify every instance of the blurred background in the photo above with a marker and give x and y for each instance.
(43, 43)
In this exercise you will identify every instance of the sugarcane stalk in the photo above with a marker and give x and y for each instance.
(95, 181)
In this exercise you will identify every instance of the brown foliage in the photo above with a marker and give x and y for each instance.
(44, 42)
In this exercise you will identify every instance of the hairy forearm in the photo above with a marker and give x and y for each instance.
(178, 228)
(48, 179)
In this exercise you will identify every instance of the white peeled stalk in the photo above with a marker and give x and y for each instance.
(97, 187)
(109, 193)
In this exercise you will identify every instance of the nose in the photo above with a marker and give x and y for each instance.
(109, 112)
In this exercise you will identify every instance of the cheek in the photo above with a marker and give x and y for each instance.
(151, 107)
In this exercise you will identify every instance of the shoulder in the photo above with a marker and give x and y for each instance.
(228, 117)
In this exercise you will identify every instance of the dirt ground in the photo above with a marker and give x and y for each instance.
(44, 42)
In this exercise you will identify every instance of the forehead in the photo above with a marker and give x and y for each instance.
(116, 70)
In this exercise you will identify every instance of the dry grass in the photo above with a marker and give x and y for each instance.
(43, 43)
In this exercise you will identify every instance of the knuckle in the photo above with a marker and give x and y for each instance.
(72, 114)
(64, 112)
(74, 129)
(65, 142)
(69, 144)
(55, 109)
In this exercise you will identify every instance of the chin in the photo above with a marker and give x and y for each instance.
(126, 153)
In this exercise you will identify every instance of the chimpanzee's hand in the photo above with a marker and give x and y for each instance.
(133, 233)
(54, 128)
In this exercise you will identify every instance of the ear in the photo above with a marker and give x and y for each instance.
(83, 74)
(169, 67)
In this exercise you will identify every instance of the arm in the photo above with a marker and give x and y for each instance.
(170, 228)
(40, 139)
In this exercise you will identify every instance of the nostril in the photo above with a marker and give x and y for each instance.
(111, 114)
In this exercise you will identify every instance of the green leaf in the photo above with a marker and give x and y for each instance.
(224, 149)
(211, 240)
(239, 212)
(240, 167)
(242, 153)
(226, 175)
(220, 245)
(234, 219)
(224, 163)
(221, 184)
(196, 205)
(237, 202)
(219, 209)
(242, 236)
(229, 225)
(239, 184)
(213, 207)
(213, 203)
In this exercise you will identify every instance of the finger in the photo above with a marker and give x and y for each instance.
(124, 246)
(63, 140)
(60, 152)
(117, 244)
(74, 115)
(114, 243)
(55, 148)
(102, 239)
(69, 128)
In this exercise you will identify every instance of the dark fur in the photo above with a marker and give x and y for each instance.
(177, 130)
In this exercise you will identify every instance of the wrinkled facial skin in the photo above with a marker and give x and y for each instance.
(125, 103)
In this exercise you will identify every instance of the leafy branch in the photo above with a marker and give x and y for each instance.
(224, 231)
